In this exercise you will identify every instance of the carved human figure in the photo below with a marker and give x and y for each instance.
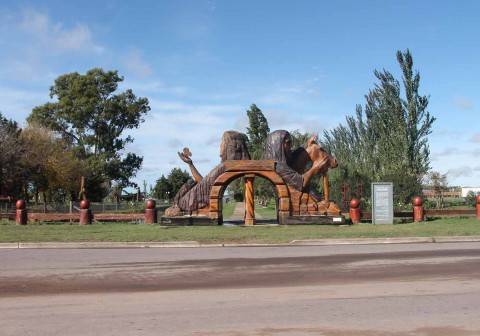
(291, 165)
(195, 194)
(278, 147)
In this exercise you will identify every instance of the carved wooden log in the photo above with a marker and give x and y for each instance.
(249, 165)
(325, 188)
(249, 200)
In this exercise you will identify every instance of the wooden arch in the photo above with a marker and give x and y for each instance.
(236, 169)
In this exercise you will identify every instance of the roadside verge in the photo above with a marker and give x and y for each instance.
(307, 242)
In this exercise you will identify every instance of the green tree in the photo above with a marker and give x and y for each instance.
(167, 187)
(388, 137)
(162, 188)
(471, 199)
(92, 118)
(299, 139)
(438, 184)
(12, 172)
(53, 169)
(257, 132)
(176, 179)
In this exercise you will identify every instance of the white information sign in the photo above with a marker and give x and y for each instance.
(382, 203)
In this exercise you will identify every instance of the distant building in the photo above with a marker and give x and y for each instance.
(465, 191)
(446, 193)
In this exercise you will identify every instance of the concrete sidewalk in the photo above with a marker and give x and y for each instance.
(310, 242)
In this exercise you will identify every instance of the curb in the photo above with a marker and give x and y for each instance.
(308, 242)
(365, 241)
(98, 245)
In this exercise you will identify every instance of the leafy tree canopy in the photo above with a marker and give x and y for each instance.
(12, 172)
(389, 136)
(92, 118)
(167, 187)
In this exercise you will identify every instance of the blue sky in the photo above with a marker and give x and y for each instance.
(305, 63)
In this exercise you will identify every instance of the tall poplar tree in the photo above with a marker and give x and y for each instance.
(257, 132)
(387, 140)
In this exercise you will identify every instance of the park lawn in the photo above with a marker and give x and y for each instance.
(125, 232)
(228, 209)
(266, 212)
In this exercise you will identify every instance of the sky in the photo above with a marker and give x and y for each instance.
(305, 63)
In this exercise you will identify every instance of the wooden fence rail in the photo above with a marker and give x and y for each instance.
(418, 213)
(85, 215)
(150, 215)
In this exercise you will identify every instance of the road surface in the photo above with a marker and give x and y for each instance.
(398, 289)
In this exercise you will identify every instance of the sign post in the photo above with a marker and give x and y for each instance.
(382, 203)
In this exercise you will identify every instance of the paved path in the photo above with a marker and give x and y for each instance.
(239, 213)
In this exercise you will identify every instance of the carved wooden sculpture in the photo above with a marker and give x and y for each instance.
(194, 196)
(290, 166)
(201, 198)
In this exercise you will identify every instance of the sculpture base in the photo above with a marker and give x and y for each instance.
(286, 220)
(312, 220)
(189, 221)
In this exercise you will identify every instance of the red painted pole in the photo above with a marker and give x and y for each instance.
(418, 212)
(355, 212)
(150, 212)
(478, 207)
(21, 216)
(85, 213)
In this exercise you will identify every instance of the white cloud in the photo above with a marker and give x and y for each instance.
(463, 103)
(291, 121)
(241, 123)
(175, 143)
(134, 63)
(463, 171)
(475, 138)
(17, 104)
(56, 38)
(447, 133)
(449, 151)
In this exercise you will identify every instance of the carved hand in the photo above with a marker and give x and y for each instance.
(185, 158)
(320, 166)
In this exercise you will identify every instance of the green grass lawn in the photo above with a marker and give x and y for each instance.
(124, 232)
(228, 209)
(267, 212)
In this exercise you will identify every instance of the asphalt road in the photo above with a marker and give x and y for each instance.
(398, 289)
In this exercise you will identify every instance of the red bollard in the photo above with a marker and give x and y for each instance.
(418, 212)
(21, 216)
(355, 212)
(150, 212)
(85, 213)
(478, 207)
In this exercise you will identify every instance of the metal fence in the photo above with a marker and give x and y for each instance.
(72, 207)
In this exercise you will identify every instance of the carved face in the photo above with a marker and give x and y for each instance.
(287, 145)
(316, 152)
(222, 147)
